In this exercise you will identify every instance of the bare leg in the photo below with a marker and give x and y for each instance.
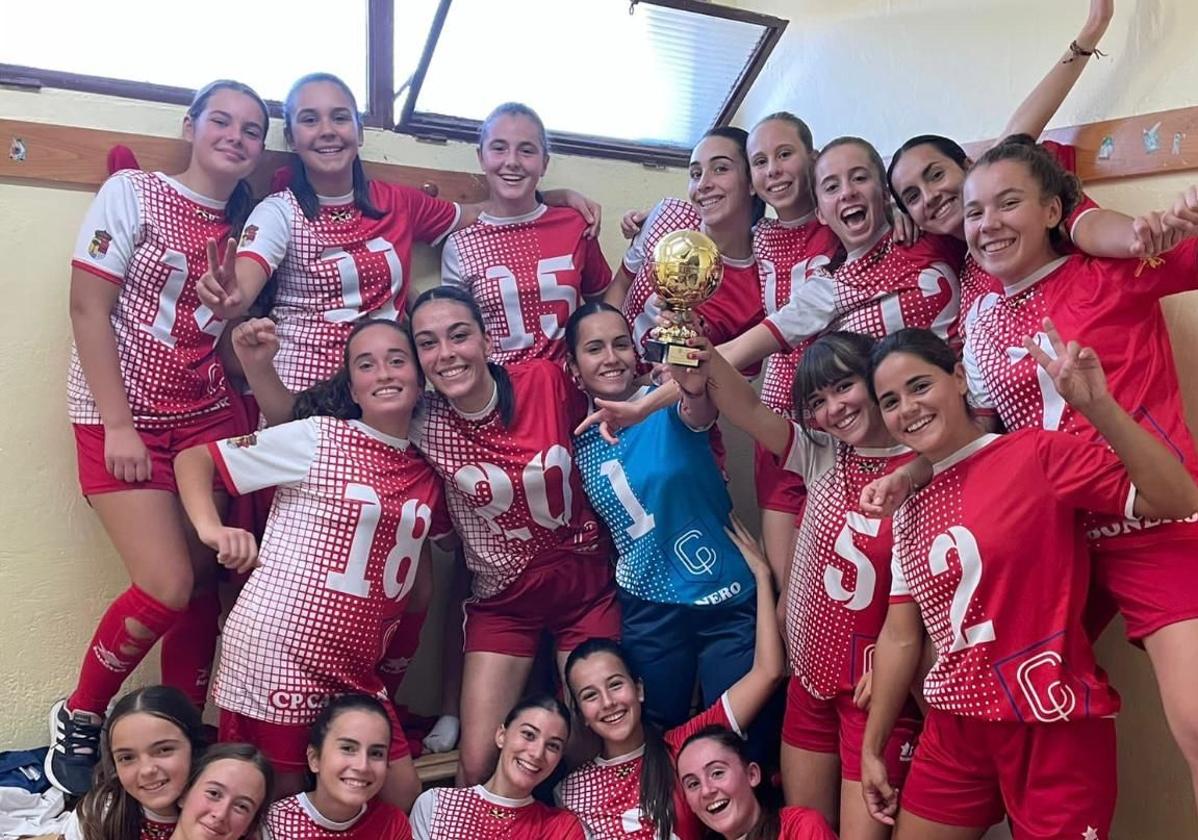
(491, 685)
(812, 780)
(911, 827)
(855, 821)
(1173, 651)
(402, 785)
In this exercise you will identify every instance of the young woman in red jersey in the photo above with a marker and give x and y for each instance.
(152, 737)
(346, 538)
(631, 789)
(337, 243)
(226, 795)
(145, 382)
(721, 786)
(531, 741)
(722, 205)
(529, 266)
(998, 572)
(838, 582)
(347, 756)
(501, 440)
(788, 248)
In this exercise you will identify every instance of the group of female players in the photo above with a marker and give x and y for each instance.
(936, 623)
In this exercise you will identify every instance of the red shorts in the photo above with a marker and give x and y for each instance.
(572, 598)
(1153, 583)
(1053, 780)
(287, 745)
(162, 444)
(838, 726)
(777, 488)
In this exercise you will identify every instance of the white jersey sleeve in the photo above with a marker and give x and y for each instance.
(72, 830)
(898, 581)
(635, 256)
(452, 273)
(810, 310)
(978, 394)
(269, 458)
(422, 814)
(110, 230)
(807, 457)
(267, 232)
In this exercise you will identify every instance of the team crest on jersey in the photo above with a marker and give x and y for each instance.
(207, 215)
(98, 247)
(249, 234)
(342, 216)
(243, 442)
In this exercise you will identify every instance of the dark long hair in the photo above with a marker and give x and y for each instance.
(948, 147)
(659, 779)
(830, 359)
(331, 397)
(1047, 171)
(108, 810)
(923, 344)
(503, 383)
(769, 824)
(741, 138)
(238, 752)
(241, 201)
(301, 187)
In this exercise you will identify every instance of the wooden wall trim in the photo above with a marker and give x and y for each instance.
(77, 157)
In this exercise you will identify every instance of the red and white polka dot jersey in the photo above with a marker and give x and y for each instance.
(528, 274)
(880, 288)
(333, 270)
(296, 818)
(605, 793)
(1112, 306)
(350, 517)
(992, 552)
(787, 255)
(803, 824)
(147, 234)
(839, 584)
(736, 304)
(474, 813)
(513, 491)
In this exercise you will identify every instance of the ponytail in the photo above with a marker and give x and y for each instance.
(239, 205)
(362, 192)
(505, 394)
(659, 781)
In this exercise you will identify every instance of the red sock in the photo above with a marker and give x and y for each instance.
(400, 651)
(115, 651)
(189, 647)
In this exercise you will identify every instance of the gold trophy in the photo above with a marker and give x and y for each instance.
(688, 270)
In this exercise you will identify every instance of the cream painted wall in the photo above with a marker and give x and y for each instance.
(887, 70)
(57, 569)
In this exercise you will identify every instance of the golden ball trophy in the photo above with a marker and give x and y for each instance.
(688, 270)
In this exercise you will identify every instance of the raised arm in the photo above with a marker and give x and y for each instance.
(749, 694)
(255, 343)
(1164, 489)
(1042, 103)
(739, 403)
(231, 283)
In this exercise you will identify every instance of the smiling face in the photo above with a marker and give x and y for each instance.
(719, 182)
(845, 410)
(923, 405)
(325, 133)
(530, 748)
(453, 351)
(781, 168)
(1007, 220)
(383, 376)
(514, 161)
(229, 135)
(719, 787)
(604, 356)
(222, 803)
(609, 701)
(351, 766)
(849, 194)
(152, 758)
(929, 183)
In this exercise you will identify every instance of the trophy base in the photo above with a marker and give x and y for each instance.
(663, 352)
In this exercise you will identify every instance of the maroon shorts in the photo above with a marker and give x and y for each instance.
(286, 745)
(837, 726)
(777, 488)
(570, 597)
(1153, 583)
(1053, 780)
(162, 444)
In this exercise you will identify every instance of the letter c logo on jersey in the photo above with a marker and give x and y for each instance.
(298, 701)
(1039, 678)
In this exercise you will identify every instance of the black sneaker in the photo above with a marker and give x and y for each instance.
(74, 749)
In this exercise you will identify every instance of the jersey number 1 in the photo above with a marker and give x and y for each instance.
(399, 569)
(162, 328)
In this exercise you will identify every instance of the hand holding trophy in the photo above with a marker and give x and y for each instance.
(688, 270)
